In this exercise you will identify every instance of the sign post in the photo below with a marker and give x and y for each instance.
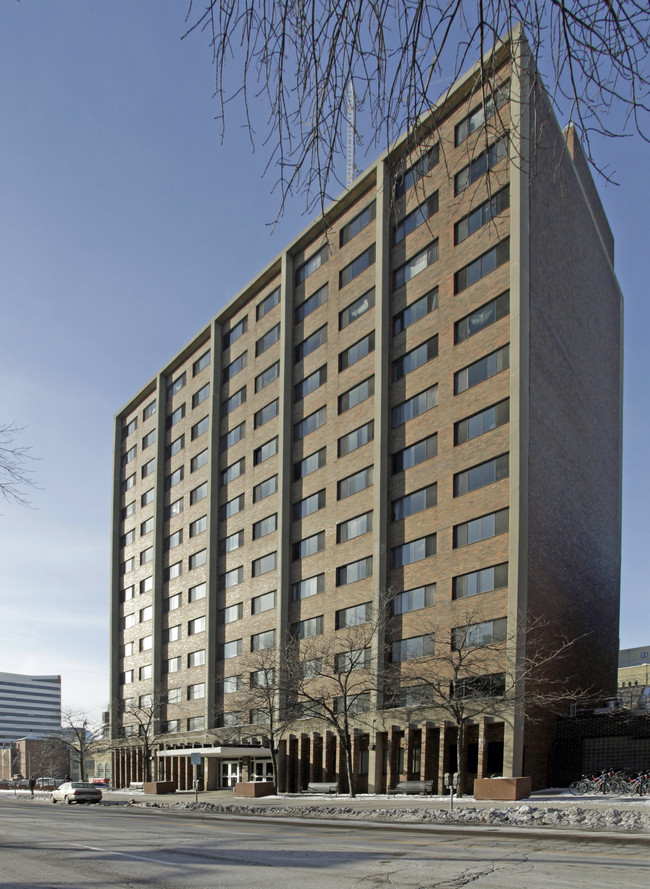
(195, 759)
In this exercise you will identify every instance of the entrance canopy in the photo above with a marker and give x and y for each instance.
(220, 752)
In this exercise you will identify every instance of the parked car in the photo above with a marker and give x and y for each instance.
(76, 792)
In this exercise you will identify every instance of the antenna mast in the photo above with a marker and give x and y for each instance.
(351, 113)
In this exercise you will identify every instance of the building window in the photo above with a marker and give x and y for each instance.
(130, 428)
(197, 625)
(195, 723)
(127, 593)
(483, 214)
(490, 525)
(309, 505)
(149, 410)
(200, 427)
(148, 467)
(196, 692)
(201, 395)
(234, 471)
(264, 564)
(413, 551)
(477, 117)
(261, 641)
(358, 265)
(309, 546)
(414, 173)
(422, 450)
(231, 683)
(144, 672)
(201, 363)
(196, 658)
(415, 599)
(309, 266)
(360, 480)
(175, 478)
(231, 614)
(173, 603)
(307, 629)
(146, 613)
(311, 343)
(482, 581)
(174, 539)
(262, 678)
(233, 436)
(410, 361)
(310, 586)
(128, 510)
(265, 526)
(265, 489)
(172, 634)
(235, 333)
(198, 526)
(199, 493)
(355, 396)
(356, 225)
(173, 664)
(265, 451)
(176, 416)
(129, 455)
(309, 464)
(269, 302)
(415, 265)
(265, 602)
(148, 439)
(128, 565)
(127, 621)
(268, 412)
(176, 386)
(416, 218)
(231, 578)
(197, 592)
(235, 366)
(267, 340)
(197, 559)
(481, 475)
(357, 308)
(346, 662)
(174, 571)
(354, 527)
(175, 447)
(310, 424)
(353, 616)
(127, 649)
(146, 585)
(482, 317)
(231, 508)
(482, 266)
(409, 649)
(354, 571)
(484, 421)
(415, 502)
(356, 439)
(309, 305)
(128, 483)
(199, 460)
(128, 538)
(413, 407)
(481, 370)
(147, 497)
(267, 376)
(309, 384)
(489, 632)
(416, 311)
(480, 165)
(232, 403)
(230, 649)
(357, 351)
(174, 509)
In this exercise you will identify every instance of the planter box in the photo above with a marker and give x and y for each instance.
(159, 787)
(254, 788)
(508, 789)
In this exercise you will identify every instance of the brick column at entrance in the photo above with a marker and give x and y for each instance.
(316, 757)
(303, 761)
(391, 763)
(442, 756)
(482, 748)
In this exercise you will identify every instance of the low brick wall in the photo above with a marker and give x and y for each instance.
(254, 788)
(508, 789)
(159, 787)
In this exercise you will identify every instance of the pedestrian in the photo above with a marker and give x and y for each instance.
(32, 785)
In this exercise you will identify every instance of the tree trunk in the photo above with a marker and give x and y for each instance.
(347, 747)
(460, 742)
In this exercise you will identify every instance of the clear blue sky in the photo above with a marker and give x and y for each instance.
(125, 225)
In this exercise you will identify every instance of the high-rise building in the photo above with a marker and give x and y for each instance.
(29, 705)
(421, 394)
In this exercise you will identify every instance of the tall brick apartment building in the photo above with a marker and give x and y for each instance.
(422, 394)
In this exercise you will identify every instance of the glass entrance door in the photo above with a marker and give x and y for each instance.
(230, 772)
(261, 770)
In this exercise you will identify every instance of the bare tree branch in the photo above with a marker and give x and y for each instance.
(15, 478)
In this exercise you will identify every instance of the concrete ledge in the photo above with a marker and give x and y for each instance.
(509, 789)
(159, 787)
(253, 789)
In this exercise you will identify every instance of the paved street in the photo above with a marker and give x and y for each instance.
(81, 847)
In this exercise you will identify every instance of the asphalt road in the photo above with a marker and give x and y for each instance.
(85, 847)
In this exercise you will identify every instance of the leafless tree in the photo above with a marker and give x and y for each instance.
(143, 725)
(294, 60)
(333, 679)
(481, 668)
(261, 702)
(78, 739)
(15, 477)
